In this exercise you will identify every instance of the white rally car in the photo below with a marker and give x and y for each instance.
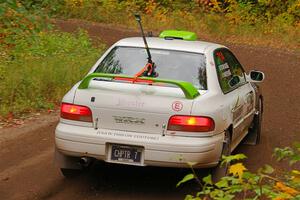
(199, 105)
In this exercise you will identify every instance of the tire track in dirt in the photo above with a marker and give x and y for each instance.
(15, 169)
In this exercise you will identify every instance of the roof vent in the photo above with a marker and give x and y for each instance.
(181, 35)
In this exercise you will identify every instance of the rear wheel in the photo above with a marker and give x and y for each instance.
(222, 170)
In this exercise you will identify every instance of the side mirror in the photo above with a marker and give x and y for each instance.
(256, 76)
(234, 81)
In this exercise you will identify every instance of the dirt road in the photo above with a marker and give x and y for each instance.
(26, 152)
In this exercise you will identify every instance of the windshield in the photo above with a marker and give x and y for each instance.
(170, 64)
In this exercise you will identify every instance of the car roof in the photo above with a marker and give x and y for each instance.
(172, 44)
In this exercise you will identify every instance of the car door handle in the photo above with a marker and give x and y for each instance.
(249, 93)
(249, 96)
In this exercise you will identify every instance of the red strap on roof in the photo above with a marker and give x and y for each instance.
(133, 80)
(147, 66)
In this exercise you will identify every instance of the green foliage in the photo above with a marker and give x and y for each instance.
(266, 183)
(17, 22)
(186, 179)
(49, 7)
(266, 22)
(231, 158)
(41, 72)
(38, 65)
(292, 154)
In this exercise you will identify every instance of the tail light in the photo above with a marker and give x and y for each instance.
(76, 112)
(191, 123)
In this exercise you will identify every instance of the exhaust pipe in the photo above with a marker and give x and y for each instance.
(84, 161)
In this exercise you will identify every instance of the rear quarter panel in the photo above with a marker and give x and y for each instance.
(213, 104)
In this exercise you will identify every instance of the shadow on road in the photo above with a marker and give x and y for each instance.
(127, 182)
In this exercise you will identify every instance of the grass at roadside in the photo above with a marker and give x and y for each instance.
(36, 75)
(38, 65)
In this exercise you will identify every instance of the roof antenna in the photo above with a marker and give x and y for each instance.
(149, 69)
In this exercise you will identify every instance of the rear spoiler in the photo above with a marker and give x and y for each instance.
(188, 89)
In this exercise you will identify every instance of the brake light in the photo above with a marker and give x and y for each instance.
(76, 112)
(191, 123)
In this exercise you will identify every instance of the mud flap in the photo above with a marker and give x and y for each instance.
(67, 162)
(251, 138)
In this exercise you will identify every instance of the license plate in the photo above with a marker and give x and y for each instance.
(126, 154)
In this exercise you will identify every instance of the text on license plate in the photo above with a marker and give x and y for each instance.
(125, 153)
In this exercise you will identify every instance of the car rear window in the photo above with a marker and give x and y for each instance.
(170, 64)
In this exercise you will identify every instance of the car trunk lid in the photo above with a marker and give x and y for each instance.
(133, 107)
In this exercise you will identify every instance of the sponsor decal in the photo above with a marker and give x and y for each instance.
(249, 103)
(127, 103)
(177, 106)
(237, 111)
(237, 114)
(220, 55)
(226, 74)
(127, 135)
(225, 70)
(129, 120)
(224, 67)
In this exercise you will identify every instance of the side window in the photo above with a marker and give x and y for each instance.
(230, 72)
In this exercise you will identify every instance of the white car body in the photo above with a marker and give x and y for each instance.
(137, 115)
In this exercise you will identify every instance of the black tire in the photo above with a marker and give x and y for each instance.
(70, 173)
(254, 135)
(222, 170)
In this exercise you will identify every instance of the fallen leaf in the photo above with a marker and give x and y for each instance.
(296, 176)
(286, 189)
(237, 170)
(10, 116)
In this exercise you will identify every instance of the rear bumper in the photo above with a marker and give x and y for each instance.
(164, 151)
